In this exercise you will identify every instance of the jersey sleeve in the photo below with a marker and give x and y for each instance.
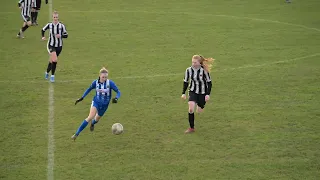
(19, 3)
(186, 81)
(209, 82)
(115, 88)
(207, 76)
(186, 76)
(92, 86)
(43, 30)
(64, 32)
(46, 27)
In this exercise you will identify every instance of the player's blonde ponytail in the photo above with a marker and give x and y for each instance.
(206, 63)
(103, 70)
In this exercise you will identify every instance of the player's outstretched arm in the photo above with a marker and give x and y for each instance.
(92, 86)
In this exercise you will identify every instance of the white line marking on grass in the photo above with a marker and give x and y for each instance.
(271, 63)
(266, 20)
(172, 74)
(199, 14)
(193, 14)
(51, 147)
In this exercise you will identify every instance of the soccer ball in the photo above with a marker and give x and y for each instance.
(117, 129)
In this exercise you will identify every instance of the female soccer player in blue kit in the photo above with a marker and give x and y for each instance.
(101, 100)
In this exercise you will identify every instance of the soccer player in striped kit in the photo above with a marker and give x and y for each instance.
(25, 6)
(35, 11)
(103, 87)
(200, 87)
(57, 31)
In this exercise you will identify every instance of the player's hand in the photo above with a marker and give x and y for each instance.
(58, 35)
(43, 38)
(183, 96)
(78, 100)
(207, 97)
(114, 100)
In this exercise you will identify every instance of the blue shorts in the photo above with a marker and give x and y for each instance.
(101, 108)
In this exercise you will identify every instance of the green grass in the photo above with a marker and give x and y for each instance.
(262, 121)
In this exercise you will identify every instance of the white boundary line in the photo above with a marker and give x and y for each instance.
(51, 146)
(271, 21)
(193, 14)
(172, 74)
(199, 14)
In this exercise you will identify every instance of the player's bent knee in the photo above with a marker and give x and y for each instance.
(53, 60)
(54, 57)
(89, 118)
(29, 23)
(191, 109)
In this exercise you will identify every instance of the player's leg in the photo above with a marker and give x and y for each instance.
(33, 15)
(201, 102)
(25, 26)
(49, 68)
(20, 35)
(192, 104)
(92, 113)
(36, 16)
(101, 110)
(54, 60)
(37, 11)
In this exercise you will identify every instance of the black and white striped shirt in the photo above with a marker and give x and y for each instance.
(200, 81)
(55, 29)
(26, 6)
(34, 4)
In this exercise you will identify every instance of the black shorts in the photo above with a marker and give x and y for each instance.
(25, 18)
(54, 49)
(199, 99)
(37, 5)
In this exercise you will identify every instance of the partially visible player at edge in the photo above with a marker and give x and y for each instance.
(101, 100)
(57, 31)
(200, 87)
(25, 6)
(35, 11)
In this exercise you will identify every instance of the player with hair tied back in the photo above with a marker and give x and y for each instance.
(101, 100)
(200, 87)
(57, 32)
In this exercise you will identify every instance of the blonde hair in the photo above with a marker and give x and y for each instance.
(103, 70)
(55, 13)
(206, 63)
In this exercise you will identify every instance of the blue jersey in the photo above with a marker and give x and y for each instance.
(103, 92)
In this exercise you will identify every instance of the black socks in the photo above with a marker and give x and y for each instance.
(191, 120)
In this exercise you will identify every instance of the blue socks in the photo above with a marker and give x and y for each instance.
(82, 126)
